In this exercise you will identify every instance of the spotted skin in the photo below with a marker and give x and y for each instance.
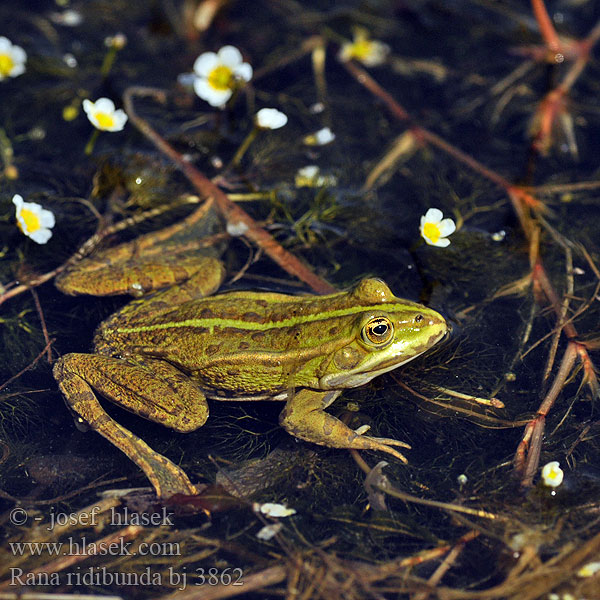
(161, 356)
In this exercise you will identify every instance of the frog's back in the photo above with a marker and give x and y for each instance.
(249, 343)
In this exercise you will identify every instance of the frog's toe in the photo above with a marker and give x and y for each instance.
(390, 442)
(384, 445)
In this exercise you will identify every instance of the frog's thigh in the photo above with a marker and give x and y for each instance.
(304, 417)
(101, 276)
(204, 277)
(150, 388)
(71, 373)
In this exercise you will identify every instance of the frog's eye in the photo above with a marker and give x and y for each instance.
(378, 331)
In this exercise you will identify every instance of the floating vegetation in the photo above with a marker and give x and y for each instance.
(448, 150)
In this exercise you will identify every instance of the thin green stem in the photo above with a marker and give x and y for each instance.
(89, 147)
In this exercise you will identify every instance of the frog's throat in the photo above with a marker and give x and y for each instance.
(211, 323)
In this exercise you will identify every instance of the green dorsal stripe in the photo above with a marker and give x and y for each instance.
(211, 323)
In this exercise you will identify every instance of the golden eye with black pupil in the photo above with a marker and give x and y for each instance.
(418, 318)
(378, 331)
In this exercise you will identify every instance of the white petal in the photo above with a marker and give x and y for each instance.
(270, 118)
(378, 54)
(441, 243)
(447, 227)
(202, 87)
(237, 229)
(120, 118)
(230, 56)
(88, 107)
(40, 236)
(47, 218)
(309, 171)
(276, 510)
(18, 54)
(18, 69)
(324, 136)
(205, 63)
(219, 98)
(243, 72)
(5, 44)
(434, 215)
(17, 199)
(268, 531)
(208, 93)
(104, 105)
(345, 53)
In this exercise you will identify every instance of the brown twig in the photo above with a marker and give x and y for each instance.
(40, 312)
(231, 212)
(546, 28)
(86, 248)
(29, 366)
(526, 207)
(554, 104)
(521, 199)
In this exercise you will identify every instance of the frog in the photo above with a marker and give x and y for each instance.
(181, 342)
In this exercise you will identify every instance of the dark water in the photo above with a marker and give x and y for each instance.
(445, 60)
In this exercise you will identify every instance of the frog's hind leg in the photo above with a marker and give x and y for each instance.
(304, 417)
(156, 391)
(104, 276)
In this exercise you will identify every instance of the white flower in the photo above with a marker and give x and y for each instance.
(589, 570)
(68, 18)
(271, 509)
(434, 229)
(12, 59)
(310, 176)
(268, 531)
(320, 138)
(270, 118)
(369, 52)
(219, 74)
(236, 229)
(33, 220)
(103, 116)
(117, 41)
(552, 474)
(308, 172)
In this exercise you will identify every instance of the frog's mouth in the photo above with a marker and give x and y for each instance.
(370, 369)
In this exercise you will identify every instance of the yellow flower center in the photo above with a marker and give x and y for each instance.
(105, 121)
(221, 78)
(432, 231)
(6, 64)
(362, 48)
(32, 221)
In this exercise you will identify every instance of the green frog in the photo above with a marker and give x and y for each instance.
(163, 354)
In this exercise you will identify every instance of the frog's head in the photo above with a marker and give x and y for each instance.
(385, 333)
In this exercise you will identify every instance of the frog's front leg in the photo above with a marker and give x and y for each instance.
(304, 417)
(149, 388)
